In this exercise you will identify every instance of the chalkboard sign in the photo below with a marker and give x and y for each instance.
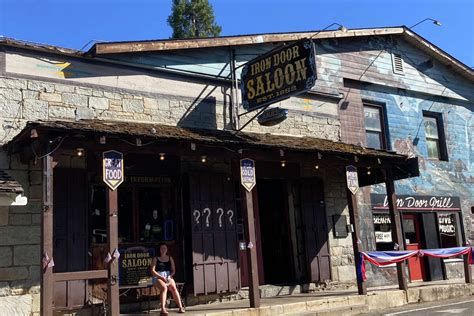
(134, 266)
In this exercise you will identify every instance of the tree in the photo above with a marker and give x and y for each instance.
(193, 18)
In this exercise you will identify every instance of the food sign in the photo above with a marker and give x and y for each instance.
(112, 163)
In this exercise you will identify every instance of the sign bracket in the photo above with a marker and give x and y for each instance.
(252, 118)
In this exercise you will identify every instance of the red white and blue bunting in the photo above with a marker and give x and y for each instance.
(383, 258)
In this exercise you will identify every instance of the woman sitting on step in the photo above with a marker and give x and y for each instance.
(162, 268)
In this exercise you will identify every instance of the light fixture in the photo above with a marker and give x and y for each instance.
(283, 163)
(435, 22)
(162, 156)
(368, 171)
(342, 28)
(102, 140)
(203, 159)
(316, 167)
(282, 153)
(80, 152)
(193, 146)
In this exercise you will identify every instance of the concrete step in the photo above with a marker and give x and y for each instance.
(340, 311)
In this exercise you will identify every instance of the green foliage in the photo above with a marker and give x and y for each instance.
(193, 18)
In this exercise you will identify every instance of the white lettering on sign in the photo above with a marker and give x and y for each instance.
(428, 203)
(446, 224)
(382, 219)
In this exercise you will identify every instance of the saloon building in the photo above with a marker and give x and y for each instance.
(385, 101)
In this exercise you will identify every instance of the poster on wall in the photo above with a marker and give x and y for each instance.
(447, 224)
(134, 266)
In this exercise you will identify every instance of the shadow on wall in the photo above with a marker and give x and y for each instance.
(200, 114)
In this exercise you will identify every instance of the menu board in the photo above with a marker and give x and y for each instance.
(134, 266)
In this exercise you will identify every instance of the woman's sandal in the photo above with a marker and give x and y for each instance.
(163, 313)
(181, 310)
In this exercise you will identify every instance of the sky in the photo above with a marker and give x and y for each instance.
(77, 23)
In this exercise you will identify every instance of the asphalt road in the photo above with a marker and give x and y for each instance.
(461, 307)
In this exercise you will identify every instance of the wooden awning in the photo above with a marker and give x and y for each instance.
(404, 166)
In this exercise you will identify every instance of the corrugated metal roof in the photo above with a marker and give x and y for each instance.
(8, 184)
(211, 137)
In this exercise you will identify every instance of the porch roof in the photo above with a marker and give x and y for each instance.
(402, 166)
(208, 136)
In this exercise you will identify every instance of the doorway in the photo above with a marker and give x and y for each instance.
(275, 231)
(411, 228)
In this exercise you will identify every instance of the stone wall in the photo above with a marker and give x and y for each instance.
(20, 243)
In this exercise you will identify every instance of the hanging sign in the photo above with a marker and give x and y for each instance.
(272, 116)
(352, 179)
(278, 75)
(112, 164)
(247, 173)
(418, 202)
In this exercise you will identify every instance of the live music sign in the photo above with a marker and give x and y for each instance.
(112, 165)
(278, 75)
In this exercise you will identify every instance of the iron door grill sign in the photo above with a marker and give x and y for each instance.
(112, 163)
(278, 75)
(247, 173)
(352, 179)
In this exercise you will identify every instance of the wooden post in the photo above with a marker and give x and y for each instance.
(254, 293)
(356, 244)
(112, 241)
(47, 278)
(467, 269)
(397, 236)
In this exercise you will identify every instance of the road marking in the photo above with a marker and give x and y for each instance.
(425, 308)
(453, 311)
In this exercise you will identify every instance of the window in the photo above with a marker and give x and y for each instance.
(435, 141)
(374, 126)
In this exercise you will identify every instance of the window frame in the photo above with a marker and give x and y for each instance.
(383, 123)
(442, 146)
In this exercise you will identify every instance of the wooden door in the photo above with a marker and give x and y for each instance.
(214, 233)
(316, 229)
(70, 234)
(411, 229)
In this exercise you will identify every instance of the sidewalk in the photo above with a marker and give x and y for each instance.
(345, 302)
